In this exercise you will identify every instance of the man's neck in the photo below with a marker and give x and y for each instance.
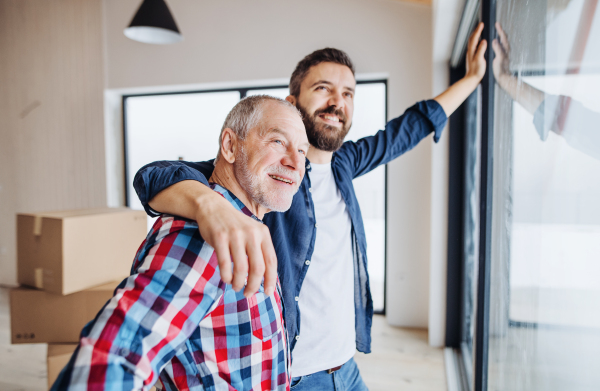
(223, 176)
(318, 156)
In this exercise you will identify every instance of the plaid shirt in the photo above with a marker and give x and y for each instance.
(174, 316)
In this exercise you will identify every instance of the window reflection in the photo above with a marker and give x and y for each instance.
(545, 278)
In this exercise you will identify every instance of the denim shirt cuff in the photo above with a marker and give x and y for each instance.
(436, 114)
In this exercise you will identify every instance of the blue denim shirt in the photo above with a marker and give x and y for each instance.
(294, 232)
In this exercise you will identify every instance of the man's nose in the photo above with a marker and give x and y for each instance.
(337, 100)
(294, 160)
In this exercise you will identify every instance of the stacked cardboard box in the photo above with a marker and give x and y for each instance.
(69, 263)
(58, 356)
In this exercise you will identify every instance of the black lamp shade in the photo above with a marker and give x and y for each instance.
(153, 23)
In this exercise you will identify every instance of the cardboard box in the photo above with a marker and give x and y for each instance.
(37, 316)
(57, 358)
(69, 251)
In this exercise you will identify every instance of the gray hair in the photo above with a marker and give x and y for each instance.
(246, 114)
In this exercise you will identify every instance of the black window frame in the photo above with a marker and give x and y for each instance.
(243, 91)
(484, 11)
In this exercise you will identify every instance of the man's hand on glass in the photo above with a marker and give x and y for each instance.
(501, 62)
(475, 60)
(458, 92)
(526, 95)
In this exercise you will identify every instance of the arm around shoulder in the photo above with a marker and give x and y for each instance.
(157, 176)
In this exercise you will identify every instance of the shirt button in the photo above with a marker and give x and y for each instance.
(307, 262)
(310, 189)
(297, 337)
(316, 225)
(297, 298)
(308, 166)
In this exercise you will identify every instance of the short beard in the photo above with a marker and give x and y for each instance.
(321, 136)
(255, 189)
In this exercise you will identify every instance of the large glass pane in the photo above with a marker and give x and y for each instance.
(173, 127)
(369, 117)
(545, 276)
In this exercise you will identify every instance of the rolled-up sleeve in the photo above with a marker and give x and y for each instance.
(400, 135)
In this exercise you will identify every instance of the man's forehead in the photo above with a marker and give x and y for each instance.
(329, 72)
(277, 111)
(282, 119)
(287, 132)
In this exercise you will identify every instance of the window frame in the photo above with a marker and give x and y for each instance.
(243, 92)
(472, 372)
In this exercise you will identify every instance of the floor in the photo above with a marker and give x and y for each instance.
(401, 359)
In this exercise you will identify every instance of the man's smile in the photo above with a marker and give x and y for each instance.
(331, 119)
(281, 179)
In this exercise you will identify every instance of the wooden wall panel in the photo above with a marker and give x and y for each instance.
(51, 112)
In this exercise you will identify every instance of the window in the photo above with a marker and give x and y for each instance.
(186, 126)
(544, 330)
(531, 299)
(172, 127)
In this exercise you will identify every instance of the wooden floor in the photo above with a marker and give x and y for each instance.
(401, 359)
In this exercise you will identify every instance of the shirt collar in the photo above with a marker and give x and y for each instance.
(307, 165)
(229, 196)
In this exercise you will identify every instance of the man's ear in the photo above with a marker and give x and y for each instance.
(229, 145)
(291, 99)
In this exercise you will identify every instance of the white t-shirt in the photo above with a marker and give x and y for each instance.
(327, 333)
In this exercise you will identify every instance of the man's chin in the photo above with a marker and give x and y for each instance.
(327, 138)
(279, 202)
(279, 205)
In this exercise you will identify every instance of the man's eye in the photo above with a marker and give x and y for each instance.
(302, 152)
(278, 142)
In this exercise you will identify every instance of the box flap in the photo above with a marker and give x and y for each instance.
(60, 349)
(107, 287)
(61, 214)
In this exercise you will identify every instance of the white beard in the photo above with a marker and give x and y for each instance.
(257, 189)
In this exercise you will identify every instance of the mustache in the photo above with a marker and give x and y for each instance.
(278, 170)
(331, 110)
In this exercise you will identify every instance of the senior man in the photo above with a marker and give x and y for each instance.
(320, 241)
(174, 319)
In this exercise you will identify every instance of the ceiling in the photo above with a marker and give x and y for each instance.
(426, 2)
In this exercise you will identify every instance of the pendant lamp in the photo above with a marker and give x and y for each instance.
(153, 23)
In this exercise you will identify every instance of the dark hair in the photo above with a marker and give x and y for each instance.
(318, 56)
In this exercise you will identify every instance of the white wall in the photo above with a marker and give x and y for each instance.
(446, 16)
(239, 41)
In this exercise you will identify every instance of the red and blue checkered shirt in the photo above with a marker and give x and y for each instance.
(174, 320)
